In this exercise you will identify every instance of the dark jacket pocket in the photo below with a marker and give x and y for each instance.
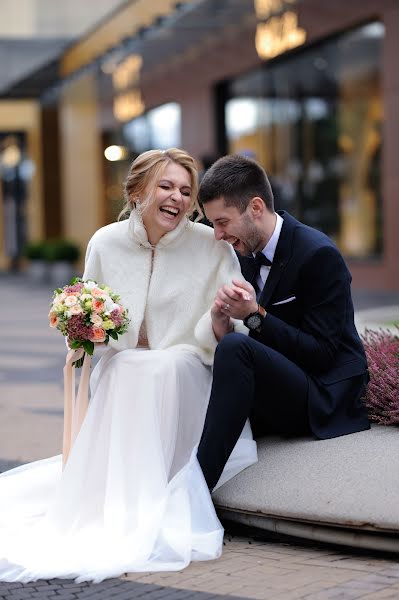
(352, 368)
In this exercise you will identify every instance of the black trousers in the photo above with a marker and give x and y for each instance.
(250, 380)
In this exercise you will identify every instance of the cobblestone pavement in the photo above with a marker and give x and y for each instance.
(252, 565)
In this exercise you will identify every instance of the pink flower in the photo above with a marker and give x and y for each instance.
(97, 305)
(117, 317)
(97, 335)
(73, 289)
(53, 319)
(98, 293)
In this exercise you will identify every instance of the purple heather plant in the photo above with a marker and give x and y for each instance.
(382, 396)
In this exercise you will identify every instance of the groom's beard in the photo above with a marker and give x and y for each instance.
(250, 238)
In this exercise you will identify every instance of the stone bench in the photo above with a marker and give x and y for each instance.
(344, 490)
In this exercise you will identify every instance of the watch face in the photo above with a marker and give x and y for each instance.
(254, 321)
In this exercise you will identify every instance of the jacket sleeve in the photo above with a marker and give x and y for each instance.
(228, 268)
(97, 268)
(324, 293)
(93, 268)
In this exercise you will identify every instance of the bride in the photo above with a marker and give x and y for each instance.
(132, 496)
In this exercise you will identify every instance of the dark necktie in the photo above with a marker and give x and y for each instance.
(259, 259)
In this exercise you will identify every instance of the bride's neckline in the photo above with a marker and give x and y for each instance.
(138, 232)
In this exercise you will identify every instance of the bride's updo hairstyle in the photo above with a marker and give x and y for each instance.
(145, 172)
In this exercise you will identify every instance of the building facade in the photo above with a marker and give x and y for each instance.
(309, 89)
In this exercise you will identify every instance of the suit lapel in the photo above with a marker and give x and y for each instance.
(281, 257)
(248, 268)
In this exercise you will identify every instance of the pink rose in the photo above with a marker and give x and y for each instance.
(97, 335)
(97, 306)
(97, 293)
(53, 319)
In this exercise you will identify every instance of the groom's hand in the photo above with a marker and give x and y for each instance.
(238, 300)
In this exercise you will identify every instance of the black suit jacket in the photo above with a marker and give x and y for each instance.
(310, 321)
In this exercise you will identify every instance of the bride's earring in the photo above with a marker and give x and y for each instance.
(137, 205)
(187, 222)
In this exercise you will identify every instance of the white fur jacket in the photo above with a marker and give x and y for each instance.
(171, 287)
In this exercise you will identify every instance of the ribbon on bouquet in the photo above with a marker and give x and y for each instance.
(75, 405)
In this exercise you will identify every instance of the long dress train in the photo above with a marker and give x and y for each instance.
(132, 496)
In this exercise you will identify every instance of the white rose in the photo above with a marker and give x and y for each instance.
(70, 300)
(75, 310)
(59, 298)
(96, 320)
(85, 297)
(89, 285)
(110, 305)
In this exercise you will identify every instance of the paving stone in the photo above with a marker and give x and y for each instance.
(382, 595)
(9, 587)
(20, 596)
(254, 565)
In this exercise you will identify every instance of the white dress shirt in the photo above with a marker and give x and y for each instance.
(269, 251)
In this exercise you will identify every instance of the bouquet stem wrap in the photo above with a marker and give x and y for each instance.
(75, 405)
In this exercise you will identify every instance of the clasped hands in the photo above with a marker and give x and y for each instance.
(236, 301)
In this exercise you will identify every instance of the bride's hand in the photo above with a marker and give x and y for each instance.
(237, 300)
(221, 322)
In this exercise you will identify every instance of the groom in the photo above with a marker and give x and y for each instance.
(302, 369)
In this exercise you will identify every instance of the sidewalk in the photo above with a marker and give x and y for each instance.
(253, 565)
(374, 310)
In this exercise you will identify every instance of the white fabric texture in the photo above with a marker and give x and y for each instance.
(132, 496)
(174, 285)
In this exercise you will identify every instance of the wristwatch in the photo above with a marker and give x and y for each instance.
(254, 321)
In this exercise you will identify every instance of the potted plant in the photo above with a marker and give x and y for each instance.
(35, 252)
(61, 256)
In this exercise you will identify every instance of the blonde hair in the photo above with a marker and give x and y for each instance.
(145, 172)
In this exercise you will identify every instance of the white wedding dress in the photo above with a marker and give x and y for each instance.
(132, 496)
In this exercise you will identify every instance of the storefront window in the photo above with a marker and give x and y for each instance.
(158, 128)
(16, 170)
(313, 120)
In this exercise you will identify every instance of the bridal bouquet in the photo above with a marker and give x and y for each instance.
(87, 313)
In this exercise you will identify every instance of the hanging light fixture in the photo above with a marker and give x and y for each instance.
(277, 30)
(128, 102)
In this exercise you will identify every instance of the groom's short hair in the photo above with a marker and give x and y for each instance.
(237, 179)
